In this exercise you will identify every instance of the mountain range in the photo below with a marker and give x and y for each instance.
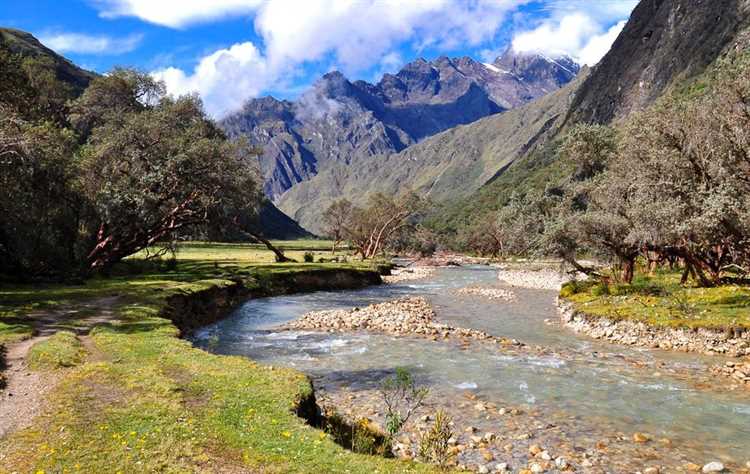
(464, 133)
(339, 122)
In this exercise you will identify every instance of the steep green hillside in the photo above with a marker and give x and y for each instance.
(26, 45)
(648, 59)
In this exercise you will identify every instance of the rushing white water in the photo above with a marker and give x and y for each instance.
(587, 380)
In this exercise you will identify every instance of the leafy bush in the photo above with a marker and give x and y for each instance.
(600, 289)
(309, 257)
(402, 398)
(433, 443)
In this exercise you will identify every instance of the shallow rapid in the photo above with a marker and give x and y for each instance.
(599, 388)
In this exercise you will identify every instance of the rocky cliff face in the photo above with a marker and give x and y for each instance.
(664, 41)
(338, 121)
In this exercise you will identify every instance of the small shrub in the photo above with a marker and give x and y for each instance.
(309, 257)
(600, 289)
(433, 443)
(402, 398)
(569, 289)
(363, 438)
(681, 307)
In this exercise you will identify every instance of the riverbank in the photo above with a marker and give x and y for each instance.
(658, 312)
(145, 400)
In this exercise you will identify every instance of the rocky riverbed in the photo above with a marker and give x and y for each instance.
(411, 316)
(491, 293)
(541, 278)
(636, 333)
(738, 371)
(400, 274)
(493, 428)
(494, 436)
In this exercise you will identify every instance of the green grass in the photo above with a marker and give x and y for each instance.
(151, 402)
(661, 301)
(63, 349)
(196, 264)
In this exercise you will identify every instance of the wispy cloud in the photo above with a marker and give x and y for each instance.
(81, 43)
(176, 13)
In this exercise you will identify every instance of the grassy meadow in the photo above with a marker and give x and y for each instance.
(660, 300)
(138, 398)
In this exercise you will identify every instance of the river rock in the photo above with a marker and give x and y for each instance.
(561, 463)
(490, 293)
(407, 274)
(483, 470)
(641, 438)
(536, 468)
(714, 466)
(501, 467)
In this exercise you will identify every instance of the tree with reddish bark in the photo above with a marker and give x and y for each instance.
(154, 166)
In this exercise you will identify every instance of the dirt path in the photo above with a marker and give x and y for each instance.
(24, 395)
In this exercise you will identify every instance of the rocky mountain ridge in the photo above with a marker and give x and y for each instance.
(475, 166)
(338, 121)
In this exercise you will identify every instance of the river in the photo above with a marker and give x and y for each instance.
(576, 393)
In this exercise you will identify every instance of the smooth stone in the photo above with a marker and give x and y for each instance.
(537, 468)
(545, 455)
(483, 470)
(714, 466)
(641, 438)
(651, 470)
(501, 467)
(561, 463)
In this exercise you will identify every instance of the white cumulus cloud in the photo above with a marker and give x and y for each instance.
(222, 78)
(354, 35)
(90, 44)
(577, 35)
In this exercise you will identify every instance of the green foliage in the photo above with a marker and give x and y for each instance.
(434, 444)
(63, 349)
(401, 397)
(576, 286)
(309, 257)
(600, 289)
(87, 182)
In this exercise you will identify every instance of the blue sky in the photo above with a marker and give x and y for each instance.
(231, 50)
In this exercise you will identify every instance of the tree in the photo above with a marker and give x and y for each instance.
(153, 166)
(335, 220)
(688, 163)
(370, 229)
